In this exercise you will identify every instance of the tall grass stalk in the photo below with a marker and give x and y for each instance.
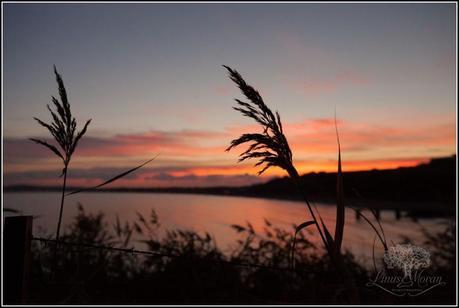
(271, 149)
(63, 129)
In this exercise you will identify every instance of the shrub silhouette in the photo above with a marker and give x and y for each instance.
(199, 272)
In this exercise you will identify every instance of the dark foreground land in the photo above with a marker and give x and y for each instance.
(425, 190)
(184, 267)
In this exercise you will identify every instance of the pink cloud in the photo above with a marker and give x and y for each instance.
(320, 85)
(202, 153)
(314, 135)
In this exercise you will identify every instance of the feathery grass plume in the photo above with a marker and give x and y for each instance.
(270, 147)
(63, 129)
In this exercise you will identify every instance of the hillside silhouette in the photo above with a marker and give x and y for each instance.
(430, 182)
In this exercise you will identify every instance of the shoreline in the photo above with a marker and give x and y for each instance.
(411, 208)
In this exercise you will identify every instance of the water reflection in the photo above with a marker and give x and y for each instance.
(214, 214)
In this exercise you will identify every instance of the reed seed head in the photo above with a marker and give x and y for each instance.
(63, 126)
(270, 147)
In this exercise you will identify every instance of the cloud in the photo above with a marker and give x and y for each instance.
(316, 58)
(319, 136)
(183, 142)
(198, 155)
(331, 165)
(145, 177)
(190, 180)
(308, 136)
(328, 84)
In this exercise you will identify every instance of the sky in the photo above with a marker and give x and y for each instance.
(150, 77)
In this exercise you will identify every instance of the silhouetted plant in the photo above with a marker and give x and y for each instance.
(197, 270)
(442, 244)
(271, 149)
(63, 129)
(271, 247)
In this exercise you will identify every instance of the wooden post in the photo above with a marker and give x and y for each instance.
(17, 237)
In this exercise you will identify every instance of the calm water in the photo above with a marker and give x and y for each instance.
(214, 214)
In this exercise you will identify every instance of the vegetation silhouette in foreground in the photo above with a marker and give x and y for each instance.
(200, 272)
(63, 130)
(271, 149)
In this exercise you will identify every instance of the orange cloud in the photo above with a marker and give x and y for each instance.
(193, 154)
(332, 165)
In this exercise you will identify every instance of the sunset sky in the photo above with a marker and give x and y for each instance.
(151, 78)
